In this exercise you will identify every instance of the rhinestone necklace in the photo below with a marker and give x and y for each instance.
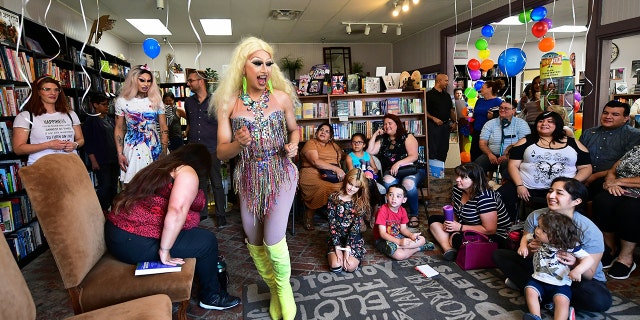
(257, 108)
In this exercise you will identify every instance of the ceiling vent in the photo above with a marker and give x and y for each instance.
(285, 14)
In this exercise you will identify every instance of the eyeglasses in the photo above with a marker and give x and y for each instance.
(357, 142)
(505, 108)
(192, 80)
(56, 90)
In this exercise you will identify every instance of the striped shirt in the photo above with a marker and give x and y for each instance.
(484, 203)
(492, 133)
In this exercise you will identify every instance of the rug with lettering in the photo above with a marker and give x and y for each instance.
(395, 290)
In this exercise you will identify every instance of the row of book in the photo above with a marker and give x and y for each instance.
(6, 134)
(11, 98)
(344, 130)
(16, 66)
(25, 240)
(346, 108)
(311, 110)
(9, 180)
(15, 212)
(180, 91)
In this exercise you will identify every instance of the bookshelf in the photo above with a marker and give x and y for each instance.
(363, 112)
(629, 98)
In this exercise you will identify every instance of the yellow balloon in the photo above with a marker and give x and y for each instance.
(577, 134)
(467, 147)
(472, 101)
(483, 54)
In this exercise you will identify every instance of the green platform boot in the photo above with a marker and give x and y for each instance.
(265, 269)
(279, 255)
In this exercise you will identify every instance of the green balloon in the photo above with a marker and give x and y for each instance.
(481, 44)
(528, 15)
(470, 93)
(525, 16)
(521, 17)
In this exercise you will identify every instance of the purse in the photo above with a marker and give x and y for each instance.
(405, 170)
(329, 175)
(476, 251)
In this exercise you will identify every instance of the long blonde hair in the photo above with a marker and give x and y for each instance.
(231, 83)
(129, 89)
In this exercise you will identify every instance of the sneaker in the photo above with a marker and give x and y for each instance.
(336, 270)
(530, 316)
(572, 313)
(220, 301)
(427, 246)
(510, 284)
(607, 259)
(549, 306)
(450, 254)
(620, 271)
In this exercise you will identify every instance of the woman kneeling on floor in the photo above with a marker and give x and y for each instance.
(477, 207)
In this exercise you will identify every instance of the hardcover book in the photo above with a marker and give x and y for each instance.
(155, 267)
(372, 85)
(353, 83)
(337, 85)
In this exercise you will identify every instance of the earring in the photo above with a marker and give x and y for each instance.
(270, 86)
(244, 85)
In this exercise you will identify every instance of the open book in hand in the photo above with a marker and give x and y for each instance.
(155, 267)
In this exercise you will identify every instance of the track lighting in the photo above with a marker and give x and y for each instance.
(348, 29)
(367, 29)
(160, 4)
(405, 6)
(396, 10)
(416, 1)
(384, 28)
(398, 30)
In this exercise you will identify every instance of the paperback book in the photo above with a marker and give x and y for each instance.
(155, 267)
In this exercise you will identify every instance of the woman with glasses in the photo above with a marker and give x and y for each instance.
(46, 125)
(140, 106)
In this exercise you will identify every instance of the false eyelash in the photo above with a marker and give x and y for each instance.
(260, 63)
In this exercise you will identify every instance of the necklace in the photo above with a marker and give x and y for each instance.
(549, 142)
(257, 108)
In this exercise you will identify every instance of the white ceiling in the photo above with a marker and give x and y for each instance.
(320, 22)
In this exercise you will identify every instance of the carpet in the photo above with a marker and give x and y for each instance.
(395, 290)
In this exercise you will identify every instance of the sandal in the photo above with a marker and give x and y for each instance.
(308, 220)
(413, 223)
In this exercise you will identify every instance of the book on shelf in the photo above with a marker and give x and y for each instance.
(372, 85)
(353, 83)
(307, 110)
(155, 267)
(337, 84)
(9, 34)
(6, 216)
(303, 84)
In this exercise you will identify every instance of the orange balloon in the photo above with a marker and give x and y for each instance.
(577, 120)
(546, 44)
(465, 157)
(487, 64)
(465, 111)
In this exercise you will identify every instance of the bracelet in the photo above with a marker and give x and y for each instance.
(519, 185)
(461, 227)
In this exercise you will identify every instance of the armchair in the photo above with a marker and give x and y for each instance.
(69, 213)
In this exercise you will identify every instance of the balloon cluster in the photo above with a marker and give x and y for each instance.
(540, 28)
(151, 47)
(475, 66)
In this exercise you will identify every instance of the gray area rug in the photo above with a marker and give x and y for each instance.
(395, 290)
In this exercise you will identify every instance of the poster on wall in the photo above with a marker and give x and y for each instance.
(9, 24)
(558, 83)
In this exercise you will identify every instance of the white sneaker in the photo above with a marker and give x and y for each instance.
(510, 284)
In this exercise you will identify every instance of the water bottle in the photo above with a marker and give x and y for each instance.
(223, 277)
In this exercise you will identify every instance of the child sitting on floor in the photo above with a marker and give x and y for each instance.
(392, 236)
(551, 278)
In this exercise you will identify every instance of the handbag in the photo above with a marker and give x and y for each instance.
(329, 175)
(476, 251)
(406, 170)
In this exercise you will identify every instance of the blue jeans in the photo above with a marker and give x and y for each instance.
(412, 195)
(193, 243)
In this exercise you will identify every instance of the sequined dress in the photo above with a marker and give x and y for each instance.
(263, 168)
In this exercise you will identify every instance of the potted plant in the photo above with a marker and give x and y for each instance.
(212, 75)
(291, 65)
(357, 68)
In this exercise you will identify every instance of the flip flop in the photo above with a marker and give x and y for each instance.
(413, 223)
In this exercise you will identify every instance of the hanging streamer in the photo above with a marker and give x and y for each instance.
(585, 41)
(173, 51)
(197, 58)
(86, 91)
(87, 109)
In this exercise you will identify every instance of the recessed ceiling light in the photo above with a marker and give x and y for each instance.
(150, 27)
(510, 21)
(216, 27)
(568, 29)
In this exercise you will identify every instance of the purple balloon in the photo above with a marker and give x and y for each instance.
(475, 74)
(577, 96)
(549, 22)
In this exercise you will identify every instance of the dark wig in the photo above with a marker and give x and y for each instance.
(157, 175)
(476, 174)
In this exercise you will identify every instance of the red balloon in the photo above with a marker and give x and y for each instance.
(539, 29)
(474, 64)
(546, 44)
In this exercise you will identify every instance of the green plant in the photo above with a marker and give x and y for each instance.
(291, 65)
(358, 68)
(211, 74)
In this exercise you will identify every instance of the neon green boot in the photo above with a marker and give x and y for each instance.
(279, 256)
(265, 269)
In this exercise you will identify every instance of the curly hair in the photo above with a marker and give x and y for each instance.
(157, 175)
(129, 89)
(230, 85)
(357, 178)
(35, 105)
(561, 231)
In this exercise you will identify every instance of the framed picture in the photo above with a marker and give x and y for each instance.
(315, 87)
(616, 74)
(461, 54)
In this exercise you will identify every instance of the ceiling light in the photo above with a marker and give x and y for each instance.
(284, 14)
(510, 21)
(384, 28)
(398, 30)
(405, 6)
(396, 10)
(150, 27)
(416, 1)
(160, 4)
(568, 29)
(348, 29)
(216, 27)
(367, 26)
(367, 29)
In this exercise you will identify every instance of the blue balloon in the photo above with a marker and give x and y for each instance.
(538, 13)
(151, 47)
(488, 31)
(478, 85)
(512, 61)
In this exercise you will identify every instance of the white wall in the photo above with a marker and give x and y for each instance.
(628, 52)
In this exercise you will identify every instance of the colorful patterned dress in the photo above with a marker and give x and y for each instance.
(141, 142)
(344, 226)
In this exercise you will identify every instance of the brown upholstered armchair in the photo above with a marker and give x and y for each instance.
(17, 302)
(69, 213)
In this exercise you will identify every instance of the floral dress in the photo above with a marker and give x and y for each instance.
(141, 142)
(344, 226)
